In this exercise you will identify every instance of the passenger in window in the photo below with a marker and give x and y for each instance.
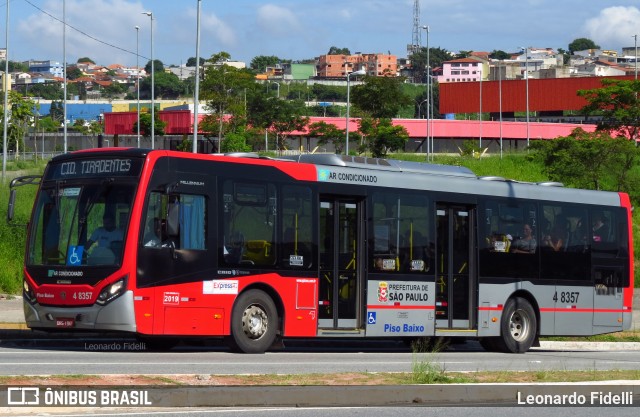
(234, 249)
(600, 229)
(107, 234)
(525, 244)
(555, 240)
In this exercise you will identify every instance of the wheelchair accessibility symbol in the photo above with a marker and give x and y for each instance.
(371, 318)
(75, 255)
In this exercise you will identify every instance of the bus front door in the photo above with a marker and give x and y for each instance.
(339, 299)
(455, 266)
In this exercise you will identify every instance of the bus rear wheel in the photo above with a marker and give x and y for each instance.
(518, 326)
(253, 322)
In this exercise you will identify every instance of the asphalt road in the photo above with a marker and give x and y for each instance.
(111, 356)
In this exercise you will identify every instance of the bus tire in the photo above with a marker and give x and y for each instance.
(490, 344)
(253, 322)
(518, 326)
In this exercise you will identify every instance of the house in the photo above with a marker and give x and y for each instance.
(376, 65)
(464, 69)
(46, 67)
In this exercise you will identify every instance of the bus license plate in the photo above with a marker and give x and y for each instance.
(66, 323)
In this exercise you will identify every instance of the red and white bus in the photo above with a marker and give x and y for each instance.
(173, 245)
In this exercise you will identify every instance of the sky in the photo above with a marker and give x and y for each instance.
(104, 30)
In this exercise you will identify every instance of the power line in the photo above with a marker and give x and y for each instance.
(81, 31)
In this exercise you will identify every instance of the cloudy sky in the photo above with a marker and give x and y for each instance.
(104, 30)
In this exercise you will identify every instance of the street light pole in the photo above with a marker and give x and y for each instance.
(429, 96)
(635, 44)
(500, 101)
(480, 110)
(138, 78)
(153, 102)
(359, 72)
(5, 87)
(196, 94)
(526, 74)
(64, 72)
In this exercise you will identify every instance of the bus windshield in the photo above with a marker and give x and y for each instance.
(80, 224)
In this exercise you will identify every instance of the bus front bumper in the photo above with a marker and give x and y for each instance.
(118, 315)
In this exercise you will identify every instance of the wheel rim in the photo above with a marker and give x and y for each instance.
(519, 325)
(255, 322)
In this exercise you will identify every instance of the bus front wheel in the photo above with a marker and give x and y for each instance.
(253, 322)
(518, 326)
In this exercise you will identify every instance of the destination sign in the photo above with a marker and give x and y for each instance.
(102, 167)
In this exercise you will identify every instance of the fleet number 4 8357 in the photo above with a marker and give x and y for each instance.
(82, 295)
(566, 296)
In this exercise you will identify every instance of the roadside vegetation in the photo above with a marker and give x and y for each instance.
(337, 379)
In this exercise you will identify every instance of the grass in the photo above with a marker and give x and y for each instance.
(609, 337)
(330, 379)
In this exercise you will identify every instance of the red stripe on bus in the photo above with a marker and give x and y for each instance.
(401, 307)
(498, 308)
(582, 310)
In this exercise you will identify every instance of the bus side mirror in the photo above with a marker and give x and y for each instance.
(12, 204)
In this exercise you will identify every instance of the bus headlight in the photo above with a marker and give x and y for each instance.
(27, 292)
(111, 292)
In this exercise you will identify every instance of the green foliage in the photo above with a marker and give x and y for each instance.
(48, 91)
(499, 55)
(226, 90)
(582, 44)
(260, 63)
(381, 136)
(618, 104)
(73, 73)
(334, 50)
(328, 134)
(13, 237)
(436, 57)
(158, 66)
(380, 97)
(191, 62)
(86, 60)
(590, 160)
(166, 85)
(145, 125)
(235, 142)
(21, 114)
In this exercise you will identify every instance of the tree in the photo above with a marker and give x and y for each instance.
(328, 134)
(499, 54)
(436, 57)
(56, 112)
(114, 90)
(224, 89)
(381, 136)
(581, 44)
(158, 66)
(334, 50)
(618, 104)
(48, 91)
(21, 116)
(380, 97)
(145, 125)
(73, 73)
(592, 160)
(86, 60)
(191, 62)
(15, 66)
(47, 124)
(166, 85)
(260, 63)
